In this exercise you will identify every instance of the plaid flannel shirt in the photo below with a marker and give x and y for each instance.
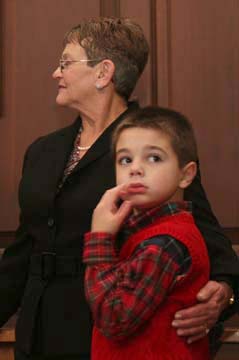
(123, 295)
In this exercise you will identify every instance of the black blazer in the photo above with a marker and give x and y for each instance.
(54, 317)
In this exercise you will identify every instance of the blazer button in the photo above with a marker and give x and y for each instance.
(50, 222)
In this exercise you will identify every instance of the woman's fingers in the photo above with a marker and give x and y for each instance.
(196, 321)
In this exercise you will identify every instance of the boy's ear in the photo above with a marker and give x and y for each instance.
(105, 73)
(189, 172)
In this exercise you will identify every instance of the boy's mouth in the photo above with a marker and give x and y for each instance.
(136, 188)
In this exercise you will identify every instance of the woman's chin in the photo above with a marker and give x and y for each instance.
(61, 100)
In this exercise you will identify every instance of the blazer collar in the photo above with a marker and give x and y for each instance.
(60, 147)
(102, 144)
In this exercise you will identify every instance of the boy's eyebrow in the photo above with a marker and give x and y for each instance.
(147, 147)
(122, 150)
(154, 147)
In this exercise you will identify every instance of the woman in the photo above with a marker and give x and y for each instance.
(64, 176)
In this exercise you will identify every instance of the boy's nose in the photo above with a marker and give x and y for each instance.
(136, 170)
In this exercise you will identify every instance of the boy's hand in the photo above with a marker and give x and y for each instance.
(108, 216)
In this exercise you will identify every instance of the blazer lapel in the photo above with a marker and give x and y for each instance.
(102, 144)
(56, 155)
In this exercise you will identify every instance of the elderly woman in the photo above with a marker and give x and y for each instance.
(64, 176)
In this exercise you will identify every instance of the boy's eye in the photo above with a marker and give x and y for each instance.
(154, 158)
(124, 160)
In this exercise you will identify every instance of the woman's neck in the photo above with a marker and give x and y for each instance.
(99, 117)
(96, 119)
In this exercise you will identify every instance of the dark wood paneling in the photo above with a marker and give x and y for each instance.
(203, 72)
(163, 52)
(110, 8)
(153, 52)
(1, 57)
(228, 352)
(32, 45)
(142, 15)
(193, 66)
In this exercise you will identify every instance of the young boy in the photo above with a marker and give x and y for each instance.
(139, 274)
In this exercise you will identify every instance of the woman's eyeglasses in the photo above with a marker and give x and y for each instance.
(64, 64)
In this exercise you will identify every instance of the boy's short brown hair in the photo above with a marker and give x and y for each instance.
(170, 122)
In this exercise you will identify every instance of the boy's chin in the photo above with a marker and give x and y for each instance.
(139, 202)
(142, 206)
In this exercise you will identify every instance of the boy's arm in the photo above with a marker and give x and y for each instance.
(123, 295)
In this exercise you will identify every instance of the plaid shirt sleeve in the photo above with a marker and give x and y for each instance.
(123, 295)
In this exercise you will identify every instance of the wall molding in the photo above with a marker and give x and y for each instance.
(153, 52)
(163, 48)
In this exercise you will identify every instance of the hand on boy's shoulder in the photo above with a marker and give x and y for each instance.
(108, 215)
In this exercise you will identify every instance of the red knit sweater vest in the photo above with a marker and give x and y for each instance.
(157, 339)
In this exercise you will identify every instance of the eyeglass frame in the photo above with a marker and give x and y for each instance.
(63, 67)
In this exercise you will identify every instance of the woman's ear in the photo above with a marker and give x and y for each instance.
(104, 74)
(189, 172)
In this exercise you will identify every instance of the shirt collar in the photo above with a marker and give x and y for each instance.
(147, 217)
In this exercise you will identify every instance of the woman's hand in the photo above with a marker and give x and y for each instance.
(108, 216)
(196, 321)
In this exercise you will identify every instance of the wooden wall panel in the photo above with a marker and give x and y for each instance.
(142, 15)
(110, 8)
(8, 208)
(163, 51)
(200, 78)
(32, 42)
(193, 66)
(32, 47)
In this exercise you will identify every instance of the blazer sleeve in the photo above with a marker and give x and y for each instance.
(223, 260)
(14, 271)
(13, 274)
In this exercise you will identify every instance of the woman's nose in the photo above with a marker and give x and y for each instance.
(57, 73)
